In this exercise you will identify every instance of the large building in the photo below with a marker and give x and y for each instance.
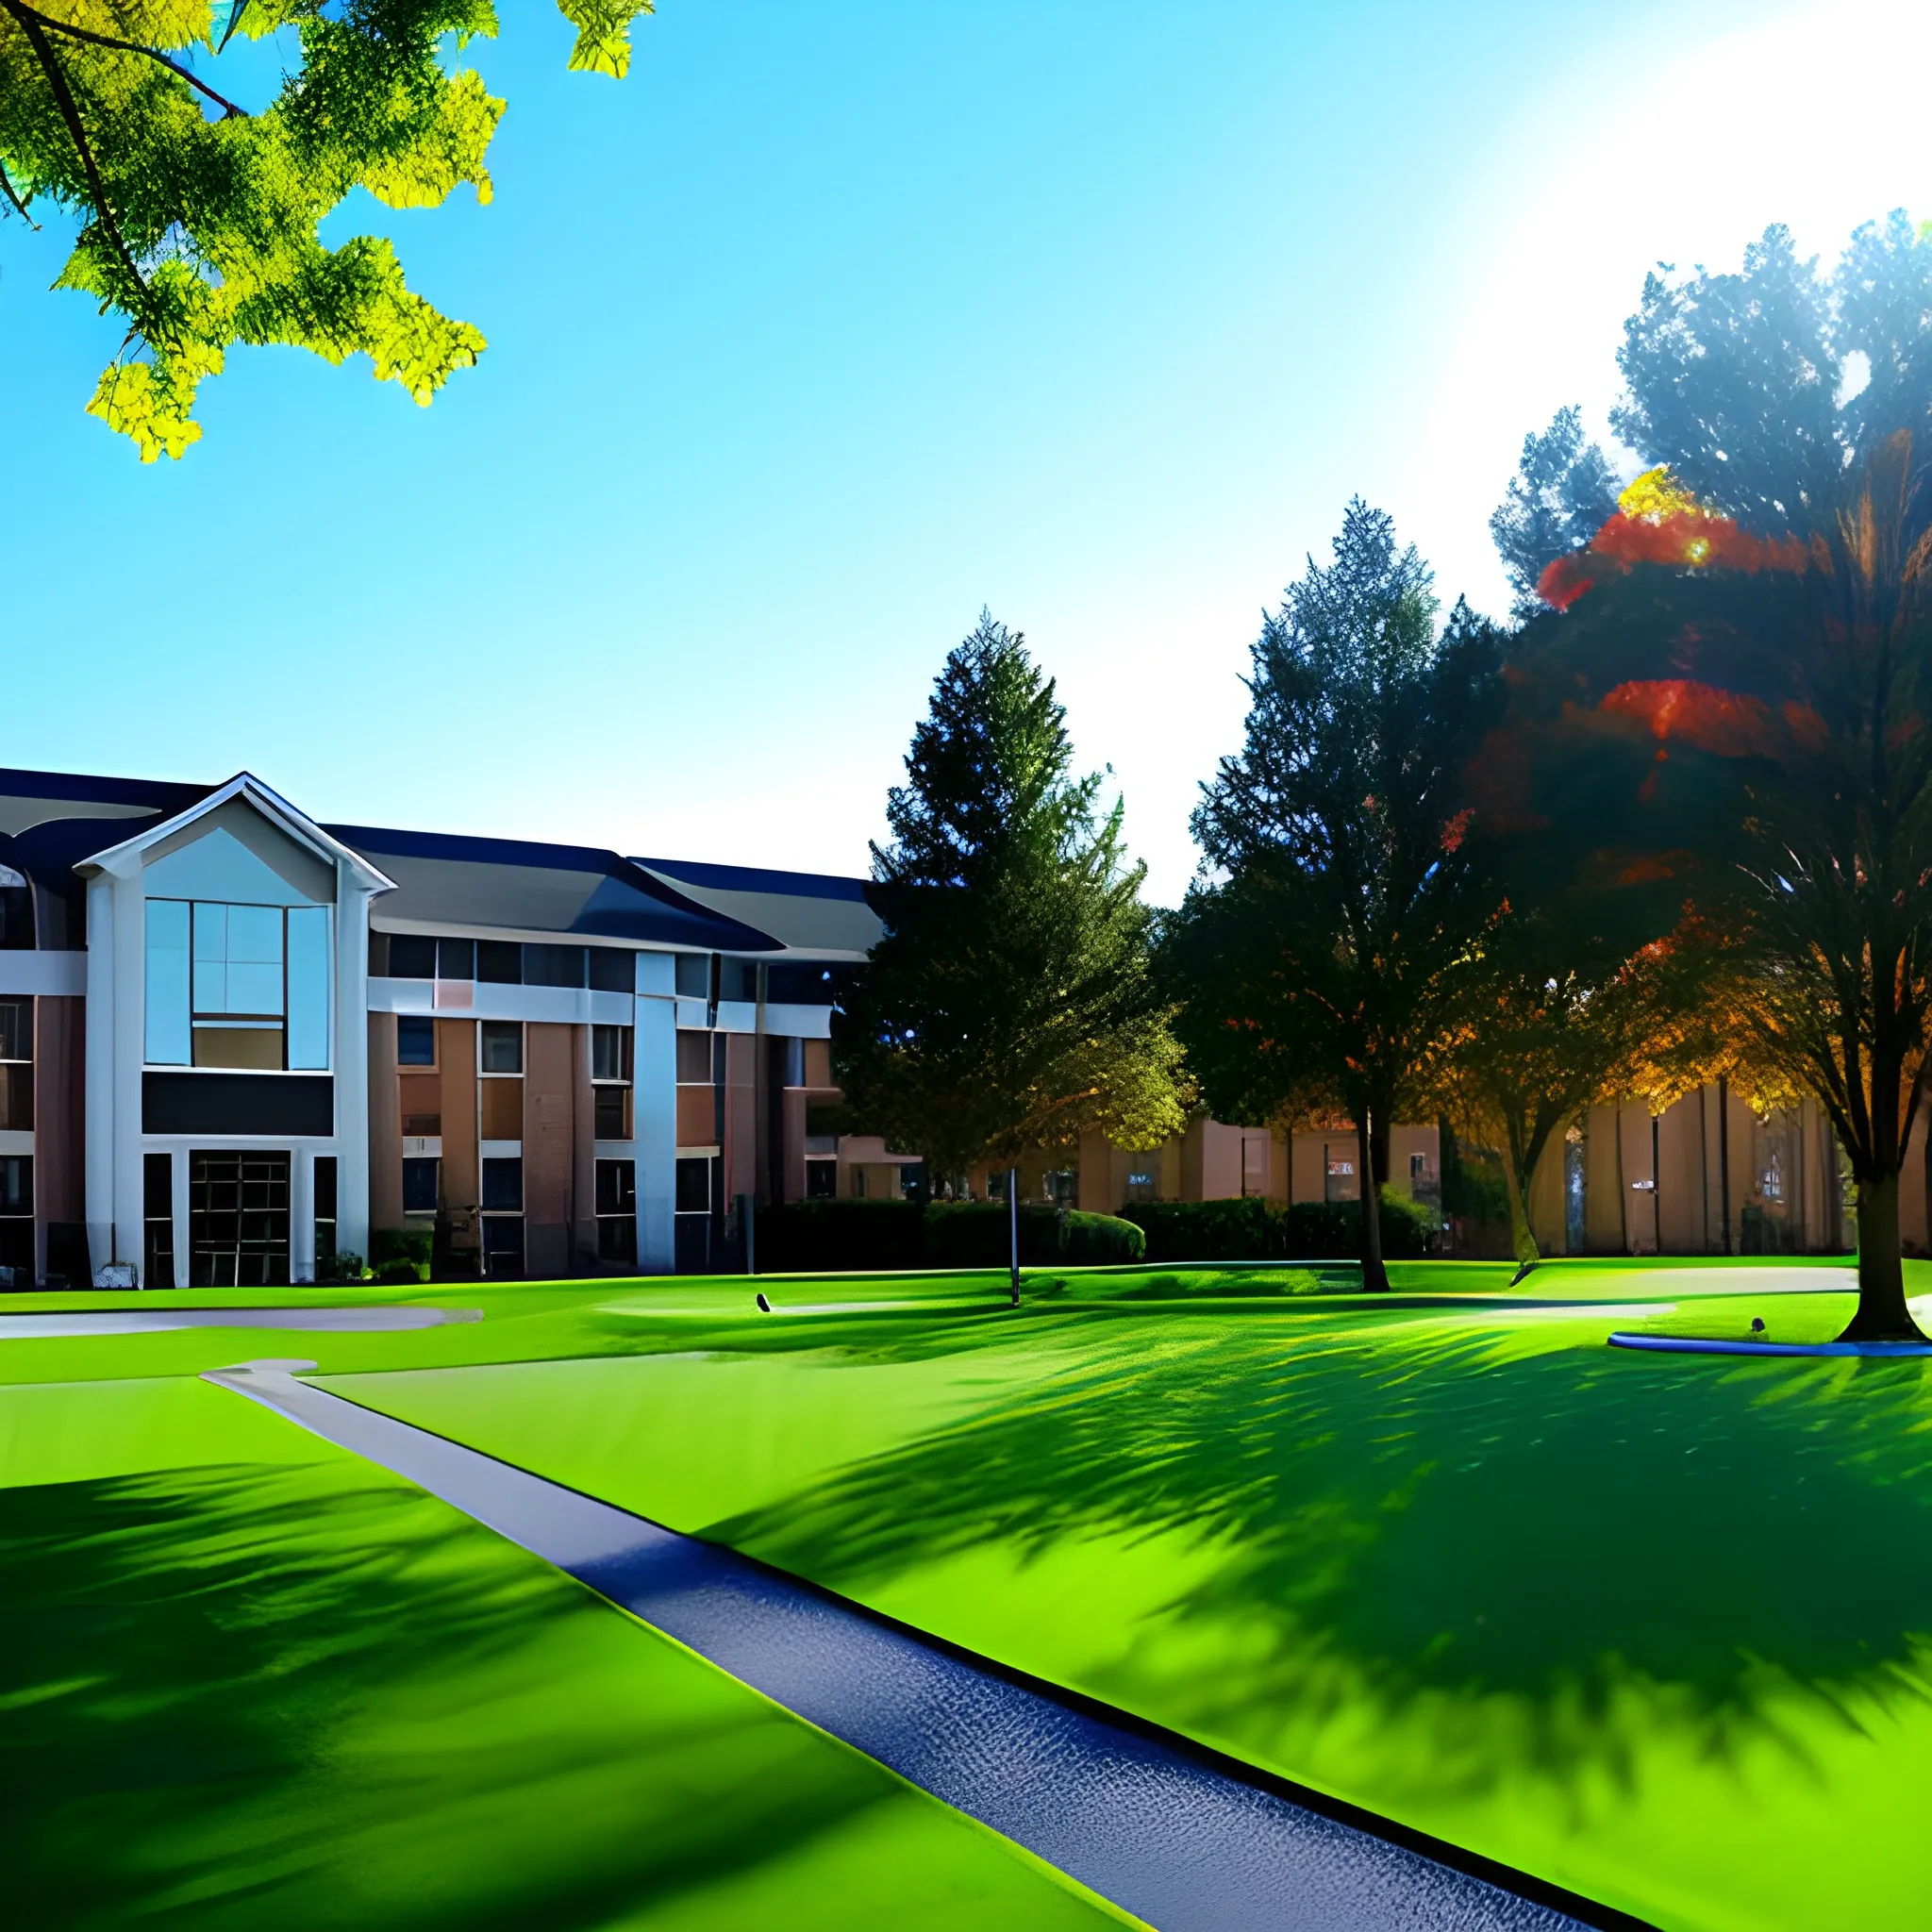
(235, 1042)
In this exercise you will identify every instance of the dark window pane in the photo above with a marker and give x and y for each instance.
(612, 1110)
(16, 918)
(411, 957)
(791, 983)
(617, 1239)
(158, 1186)
(16, 1029)
(738, 980)
(17, 1183)
(502, 1186)
(379, 956)
(693, 1059)
(617, 1187)
(419, 1184)
(503, 1046)
(695, 1186)
(694, 975)
(821, 1180)
(614, 970)
(554, 966)
(503, 1245)
(415, 1040)
(610, 1053)
(325, 1188)
(500, 961)
(455, 958)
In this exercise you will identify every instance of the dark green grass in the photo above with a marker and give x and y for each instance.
(247, 1680)
(1657, 1628)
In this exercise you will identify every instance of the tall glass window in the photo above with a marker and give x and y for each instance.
(308, 987)
(238, 986)
(168, 1007)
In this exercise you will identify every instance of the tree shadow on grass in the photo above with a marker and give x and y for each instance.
(237, 1696)
(1530, 1547)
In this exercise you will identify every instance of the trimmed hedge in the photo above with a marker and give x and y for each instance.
(976, 1234)
(391, 1244)
(1255, 1230)
(826, 1236)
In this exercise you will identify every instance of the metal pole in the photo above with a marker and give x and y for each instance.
(1656, 1212)
(1724, 1154)
(1013, 1225)
(749, 1207)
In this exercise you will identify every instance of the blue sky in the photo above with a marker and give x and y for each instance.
(832, 323)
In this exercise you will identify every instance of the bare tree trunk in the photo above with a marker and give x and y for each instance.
(1374, 1275)
(1882, 1314)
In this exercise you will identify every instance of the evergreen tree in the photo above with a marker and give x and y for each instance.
(1761, 390)
(1319, 953)
(200, 213)
(1010, 1005)
(1562, 491)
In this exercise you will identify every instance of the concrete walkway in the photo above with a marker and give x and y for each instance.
(1175, 1835)
(318, 1320)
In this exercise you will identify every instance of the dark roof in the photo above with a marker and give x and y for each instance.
(754, 878)
(449, 879)
(51, 821)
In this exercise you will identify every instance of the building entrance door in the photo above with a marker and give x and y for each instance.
(238, 1220)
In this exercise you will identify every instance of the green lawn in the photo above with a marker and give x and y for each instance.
(1656, 1628)
(1659, 1629)
(247, 1680)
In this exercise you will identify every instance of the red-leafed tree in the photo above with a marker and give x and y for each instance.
(1744, 718)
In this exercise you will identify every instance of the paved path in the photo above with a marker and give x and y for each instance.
(319, 1321)
(1178, 1839)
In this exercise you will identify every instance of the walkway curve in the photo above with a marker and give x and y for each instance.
(1180, 1836)
(314, 1321)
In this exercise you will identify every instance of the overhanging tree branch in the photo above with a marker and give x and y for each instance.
(32, 27)
(22, 12)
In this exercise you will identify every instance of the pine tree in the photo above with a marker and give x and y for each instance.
(1563, 491)
(1319, 952)
(1010, 1006)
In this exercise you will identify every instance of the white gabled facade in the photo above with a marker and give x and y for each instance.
(244, 845)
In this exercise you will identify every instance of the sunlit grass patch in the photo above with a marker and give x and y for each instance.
(1651, 1627)
(249, 1680)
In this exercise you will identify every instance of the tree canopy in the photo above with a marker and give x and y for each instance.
(199, 213)
(1318, 950)
(1760, 390)
(1763, 704)
(1010, 1005)
(1562, 491)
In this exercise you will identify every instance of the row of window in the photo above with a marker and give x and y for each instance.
(500, 1061)
(501, 1209)
(502, 962)
(500, 1047)
(708, 976)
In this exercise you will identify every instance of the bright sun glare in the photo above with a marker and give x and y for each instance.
(1814, 119)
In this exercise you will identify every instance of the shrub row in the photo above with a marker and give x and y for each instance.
(825, 1237)
(1255, 1230)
